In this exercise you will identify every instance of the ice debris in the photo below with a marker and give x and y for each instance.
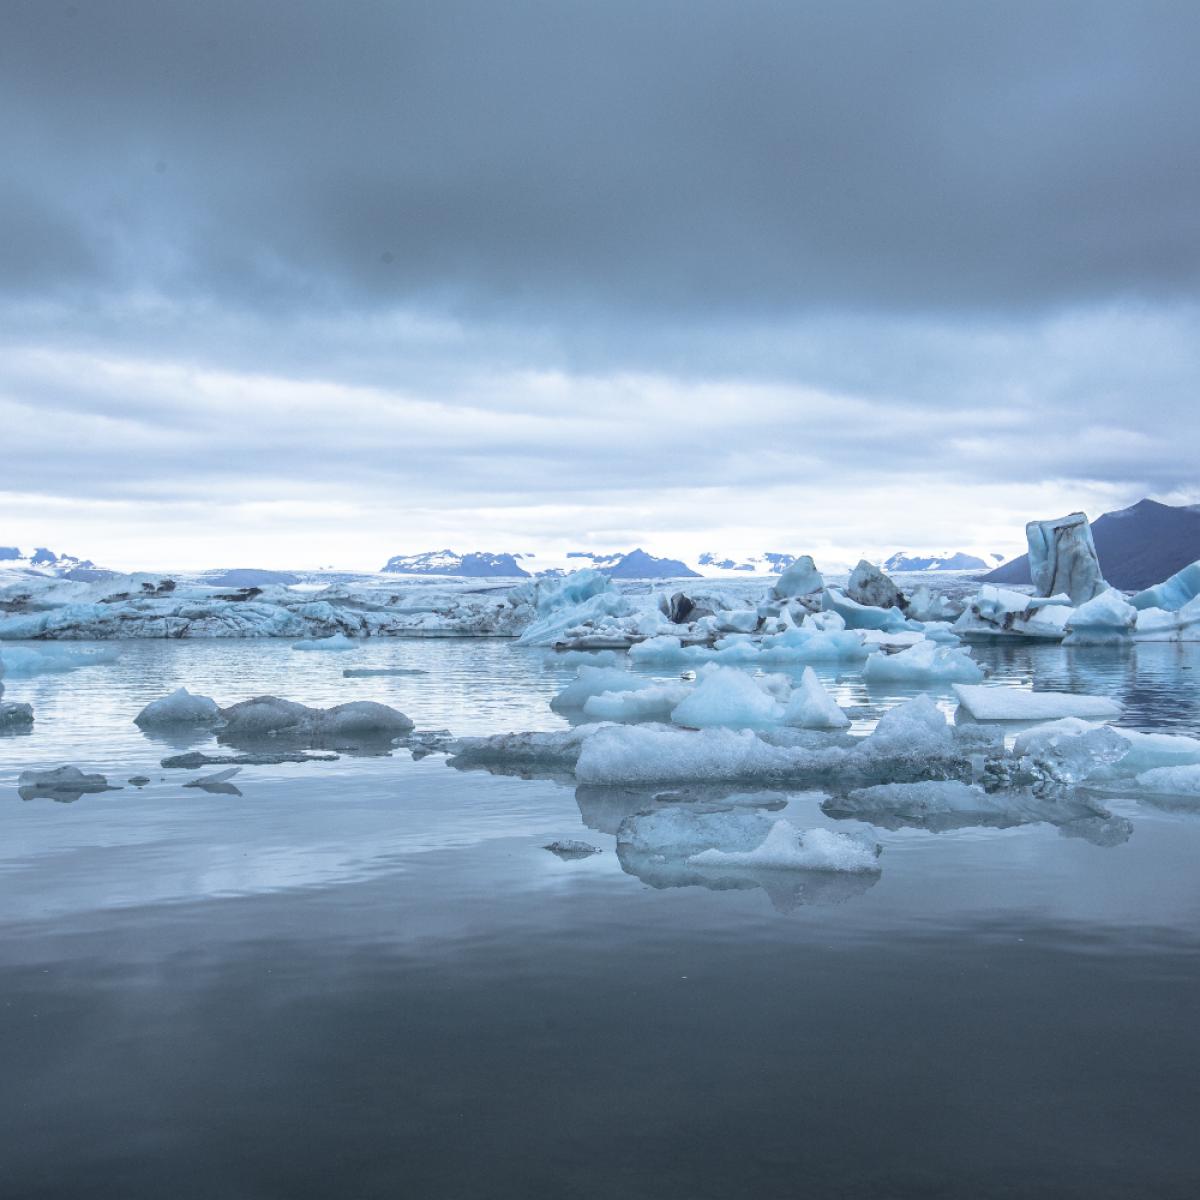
(218, 782)
(60, 783)
(788, 848)
(334, 641)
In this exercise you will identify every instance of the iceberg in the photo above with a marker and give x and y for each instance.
(1001, 612)
(925, 606)
(922, 663)
(729, 697)
(26, 661)
(993, 703)
(1173, 593)
(790, 849)
(594, 681)
(1108, 618)
(810, 706)
(870, 587)
(863, 616)
(799, 581)
(1062, 558)
(181, 707)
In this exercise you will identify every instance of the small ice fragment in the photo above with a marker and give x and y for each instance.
(567, 849)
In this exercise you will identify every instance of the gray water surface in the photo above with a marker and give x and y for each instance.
(367, 978)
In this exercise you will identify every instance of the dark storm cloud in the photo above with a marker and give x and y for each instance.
(614, 158)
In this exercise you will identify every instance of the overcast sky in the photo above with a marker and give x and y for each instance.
(295, 283)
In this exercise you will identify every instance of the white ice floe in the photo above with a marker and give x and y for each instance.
(994, 703)
(181, 707)
(1162, 625)
(335, 641)
(787, 848)
(810, 706)
(925, 662)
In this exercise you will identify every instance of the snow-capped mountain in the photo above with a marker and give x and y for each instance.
(636, 564)
(479, 565)
(772, 562)
(948, 560)
(45, 562)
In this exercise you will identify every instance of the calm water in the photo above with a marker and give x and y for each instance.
(366, 978)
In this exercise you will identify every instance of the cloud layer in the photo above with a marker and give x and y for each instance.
(284, 279)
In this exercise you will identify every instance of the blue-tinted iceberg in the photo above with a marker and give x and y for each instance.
(926, 662)
(1062, 558)
(1105, 619)
(1173, 593)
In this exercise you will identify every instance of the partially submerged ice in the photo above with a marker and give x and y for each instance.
(924, 662)
(60, 783)
(810, 706)
(869, 586)
(1062, 558)
(269, 715)
(334, 641)
(181, 707)
(1001, 612)
(987, 702)
(790, 849)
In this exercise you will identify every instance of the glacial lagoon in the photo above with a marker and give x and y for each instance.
(367, 977)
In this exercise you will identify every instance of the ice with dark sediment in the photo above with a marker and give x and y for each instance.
(1062, 558)
(60, 783)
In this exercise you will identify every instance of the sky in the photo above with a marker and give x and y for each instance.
(291, 284)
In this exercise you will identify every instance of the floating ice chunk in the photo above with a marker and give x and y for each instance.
(862, 616)
(1106, 618)
(594, 681)
(568, 849)
(826, 621)
(181, 707)
(993, 703)
(924, 662)
(788, 848)
(729, 697)
(652, 702)
(925, 606)
(1061, 753)
(217, 782)
(1149, 751)
(648, 754)
(50, 657)
(664, 650)
(363, 716)
(14, 715)
(800, 579)
(1062, 558)
(1159, 625)
(372, 672)
(869, 586)
(1001, 612)
(559, 748)
(916, 727)
(579, 599)
(811, 707)
(1173, 593)
(1176, 781)
(271, 714)
(64, 781)
(336, 641)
